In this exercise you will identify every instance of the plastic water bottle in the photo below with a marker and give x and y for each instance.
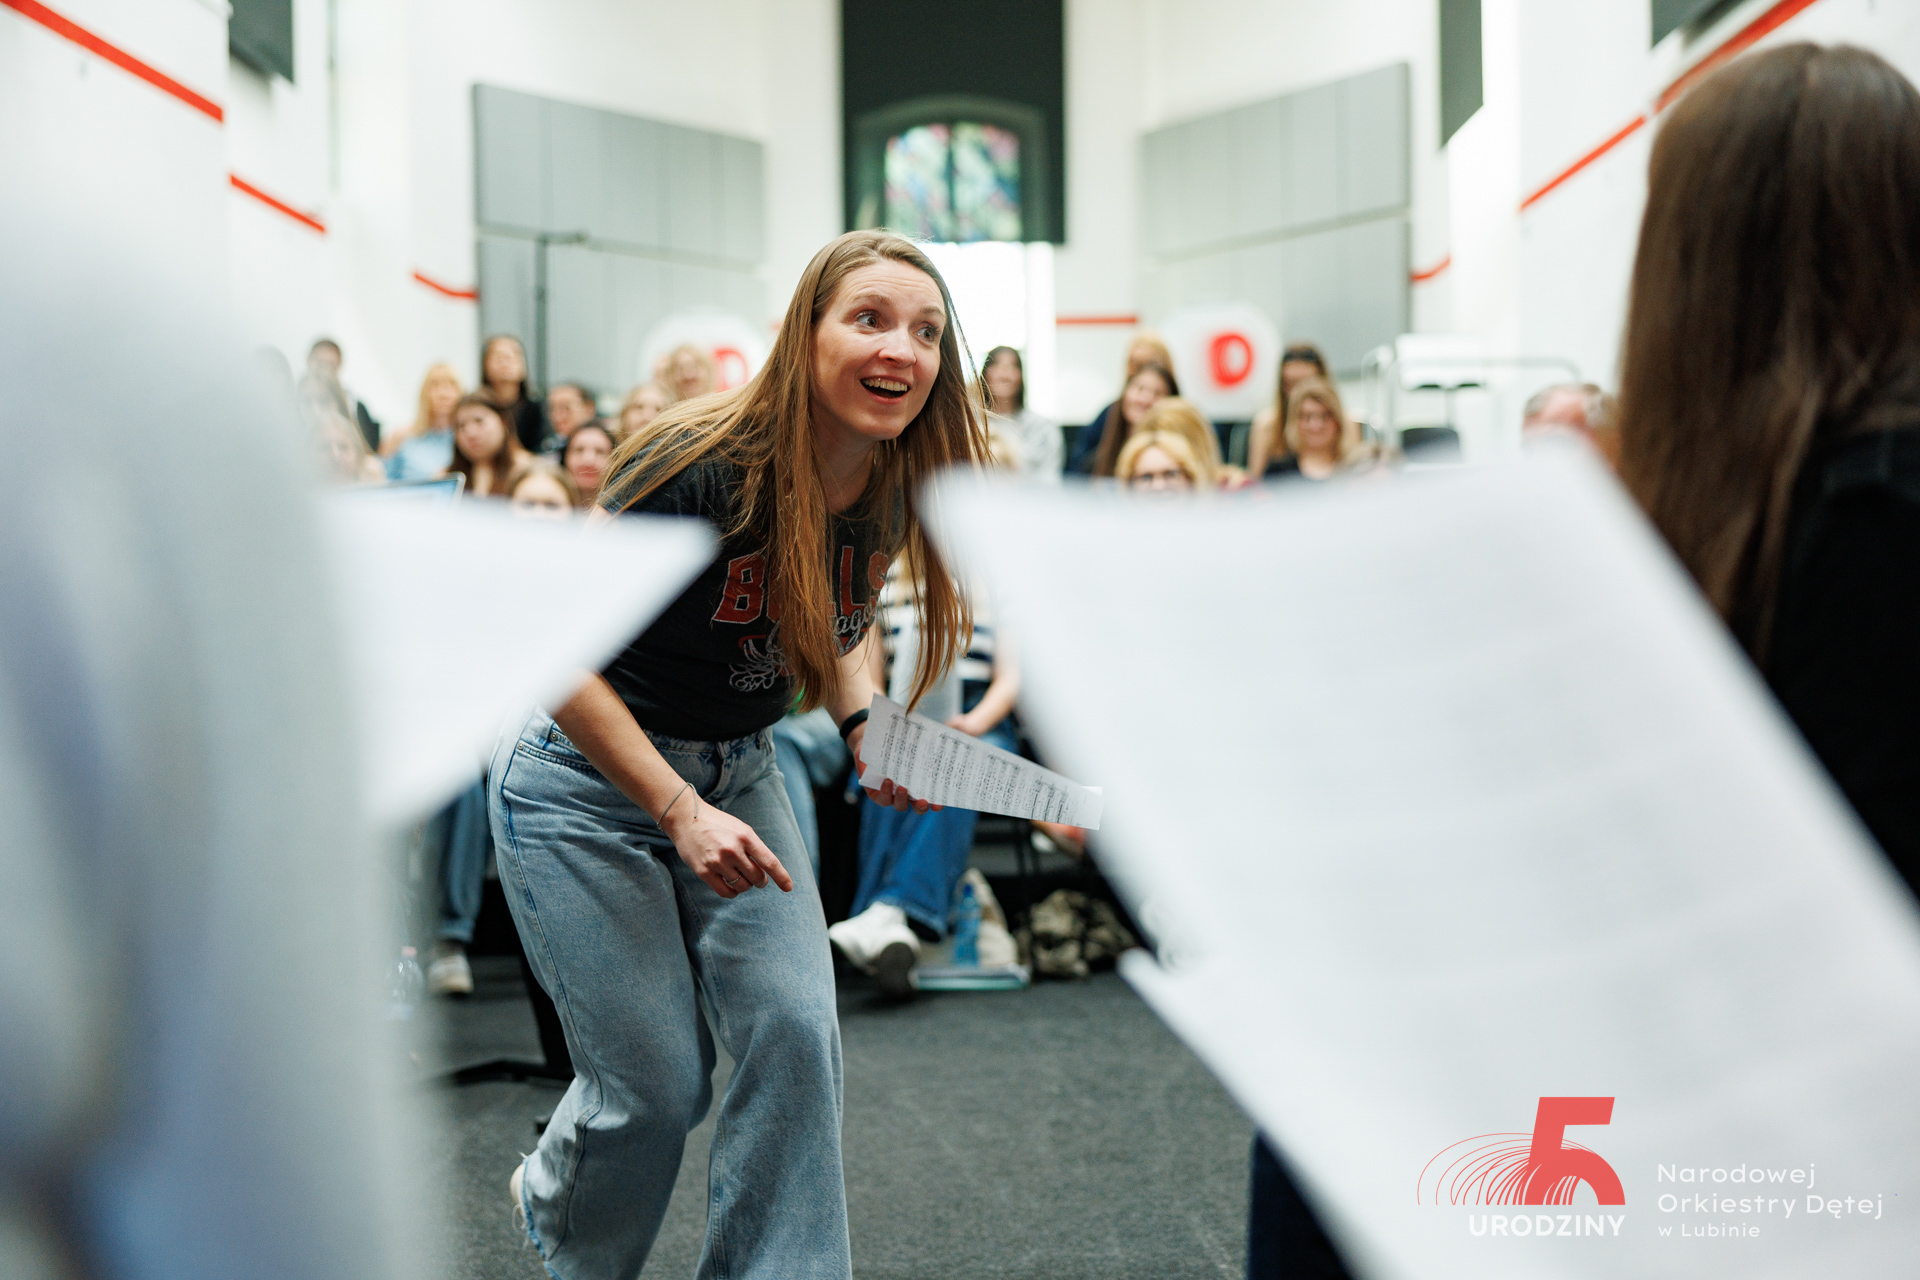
(966, 929)
(405, 984)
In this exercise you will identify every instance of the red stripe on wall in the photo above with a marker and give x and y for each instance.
(278, 206)
(1632, 127)
(34, 11)
(1421, 277)
(1740, 41)
(1085, 320)
(463, 295)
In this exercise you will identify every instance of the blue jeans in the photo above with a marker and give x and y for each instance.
(462, 843)
(914, 860)
(630, 944)
(810, 754)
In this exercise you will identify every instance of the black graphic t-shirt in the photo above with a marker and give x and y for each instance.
(710, 667)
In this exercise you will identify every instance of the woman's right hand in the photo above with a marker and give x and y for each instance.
(722, 850)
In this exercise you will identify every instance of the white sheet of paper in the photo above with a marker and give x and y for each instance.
(1452, 795)
(948, 767)
(459, 616)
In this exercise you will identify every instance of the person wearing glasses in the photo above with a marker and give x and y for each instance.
(1162, 461)
(1265, 445)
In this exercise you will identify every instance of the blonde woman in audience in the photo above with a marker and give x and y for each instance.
(643, 404)
(1322, 441)
(542, 491)
(692, 372)
(424, 448)
(1163, 460)
(584, 460)
(1265, 446)
(1149, 385)
(1183, 418)
(1145, 349)
(484, 448)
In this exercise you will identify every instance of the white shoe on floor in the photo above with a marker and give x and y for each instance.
(514, 1181)
(880, 942)
(448, 973)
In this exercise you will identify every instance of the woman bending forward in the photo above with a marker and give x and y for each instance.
(648, 850)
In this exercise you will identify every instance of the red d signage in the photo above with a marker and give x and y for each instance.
(1229, 359)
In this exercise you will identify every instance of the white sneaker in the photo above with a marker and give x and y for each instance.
(448, 973)
(514, 1182)
(880, 942)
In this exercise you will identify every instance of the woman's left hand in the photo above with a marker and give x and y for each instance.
(887, 796)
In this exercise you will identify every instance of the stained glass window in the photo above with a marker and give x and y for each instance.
(954, 182)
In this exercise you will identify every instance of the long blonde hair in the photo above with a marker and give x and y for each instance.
(765, 429)
(1176, 416)
(423, 417)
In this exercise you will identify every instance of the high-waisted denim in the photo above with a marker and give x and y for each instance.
(629, 942)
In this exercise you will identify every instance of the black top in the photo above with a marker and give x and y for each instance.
(1086, 445)
(1846, 630)
(529, 421)
(710, 667)
(1282, 468)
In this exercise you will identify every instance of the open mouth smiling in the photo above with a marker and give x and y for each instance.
(886, 388)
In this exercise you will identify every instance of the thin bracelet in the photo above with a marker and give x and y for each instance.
(853, 722)
(661, 821)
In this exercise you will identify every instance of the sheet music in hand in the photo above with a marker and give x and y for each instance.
(948, 767)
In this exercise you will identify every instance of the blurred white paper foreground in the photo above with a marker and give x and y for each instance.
(948, 767)
(1452, 796)
(459, 616)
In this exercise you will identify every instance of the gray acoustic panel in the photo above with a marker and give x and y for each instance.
(1207, 191)
(742, 237)
(693, 192)
(1259, 278)
(1346, 289)
(640, 301)
(509, 158)
(633, 167)
(1313, 159)
(1160, 208)
(1374, 166)
(576, 160)
(506, 286)
(1260, 204)
(580, 285)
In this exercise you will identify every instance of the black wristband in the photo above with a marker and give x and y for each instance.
(852, 722)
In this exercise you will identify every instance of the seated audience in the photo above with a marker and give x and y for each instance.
(1162, 460)
(808, 749)
(911, 863)
(1145, 349)
(691, 372)
(1148, 386)
(503, 376)
(540, 490)
(569, 406)
(459, 845)
(585, 459)
(1039, 448)
(1322, 441)
(1182, 418)
(1265, 444)
(424, 448)
(643, 404)
(484, 448)
(1770, 395)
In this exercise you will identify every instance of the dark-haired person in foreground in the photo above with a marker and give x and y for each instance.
(645, 841)
(1770, 396)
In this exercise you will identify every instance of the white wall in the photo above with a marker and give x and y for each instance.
(125, 175)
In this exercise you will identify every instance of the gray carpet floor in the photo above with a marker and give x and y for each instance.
(1056, 1132)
